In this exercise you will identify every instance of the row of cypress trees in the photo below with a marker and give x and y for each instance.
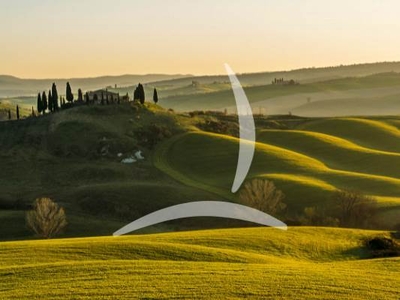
(139, 94)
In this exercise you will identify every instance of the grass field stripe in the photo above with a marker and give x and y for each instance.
(247, 130)
(203, 209)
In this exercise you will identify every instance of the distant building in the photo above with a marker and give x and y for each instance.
(104, 96)
(281, 81)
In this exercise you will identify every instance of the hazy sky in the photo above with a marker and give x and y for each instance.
(55, 38)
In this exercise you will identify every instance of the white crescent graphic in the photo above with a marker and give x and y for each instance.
(219, 208)
(247, 130)
(203, 209)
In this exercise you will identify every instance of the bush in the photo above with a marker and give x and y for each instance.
(382, 247)
(47, 219)
(355, 209)
(149, 136)
(317, 216)
(262, 194)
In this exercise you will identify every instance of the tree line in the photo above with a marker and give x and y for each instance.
(51, 101)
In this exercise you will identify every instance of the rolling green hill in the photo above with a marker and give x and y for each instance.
(75, 157)
(306, 263)
(308, 166)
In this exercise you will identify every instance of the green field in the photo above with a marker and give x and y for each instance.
(261, 263)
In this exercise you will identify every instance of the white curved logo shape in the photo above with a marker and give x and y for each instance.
(203, 209)
(219, 208)
(247, 130)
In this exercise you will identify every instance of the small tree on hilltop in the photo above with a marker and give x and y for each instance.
(47, 218)
(39, 104)
(69, 95)
(80, 95)
(50, 102)
(155, 95)
(262, 194)
(17, 112)
(44, 102)
(54, 94)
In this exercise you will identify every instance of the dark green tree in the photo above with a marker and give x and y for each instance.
(9, 114)
(50, 102)
(44, 102)
(141, 93)
(17, 112)
(69, 95)
(136, 94)
(80, 95)
(39, 104)
(54, 94)
(87, 98)
(155, 96)
(33, 112)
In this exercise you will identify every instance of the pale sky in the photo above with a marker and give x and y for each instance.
(80, 38)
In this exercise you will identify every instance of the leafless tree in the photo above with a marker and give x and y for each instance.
(262, 194)
(355, 209)
(47, 218)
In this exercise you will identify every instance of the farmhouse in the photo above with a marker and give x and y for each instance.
(103, 96)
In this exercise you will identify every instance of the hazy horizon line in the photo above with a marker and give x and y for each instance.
(201, 75)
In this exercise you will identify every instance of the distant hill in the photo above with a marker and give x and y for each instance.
(12, 86)
(304, 75)
(377, 94)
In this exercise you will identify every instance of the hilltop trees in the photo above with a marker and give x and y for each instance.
(9, 114)
(68, 93)
(155, 96)
(17, 112)
(47, 218)
(139, 94)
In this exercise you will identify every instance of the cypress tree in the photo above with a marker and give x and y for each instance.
(39, 104)
(17, 112)
(87, 98)
(9, 114)
(50, 102)
(54, 94)
(33, 112)
(155, 96)
(69, 95)
(44, 102)
(80, 96)
(141, 93)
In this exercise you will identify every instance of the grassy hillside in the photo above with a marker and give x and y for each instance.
(308, 166)
(75, 157)
(237, 263)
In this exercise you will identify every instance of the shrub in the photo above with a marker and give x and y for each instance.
(262, 194)
(317, 216)
(47, 218)
(355, 209)
(382, 247)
